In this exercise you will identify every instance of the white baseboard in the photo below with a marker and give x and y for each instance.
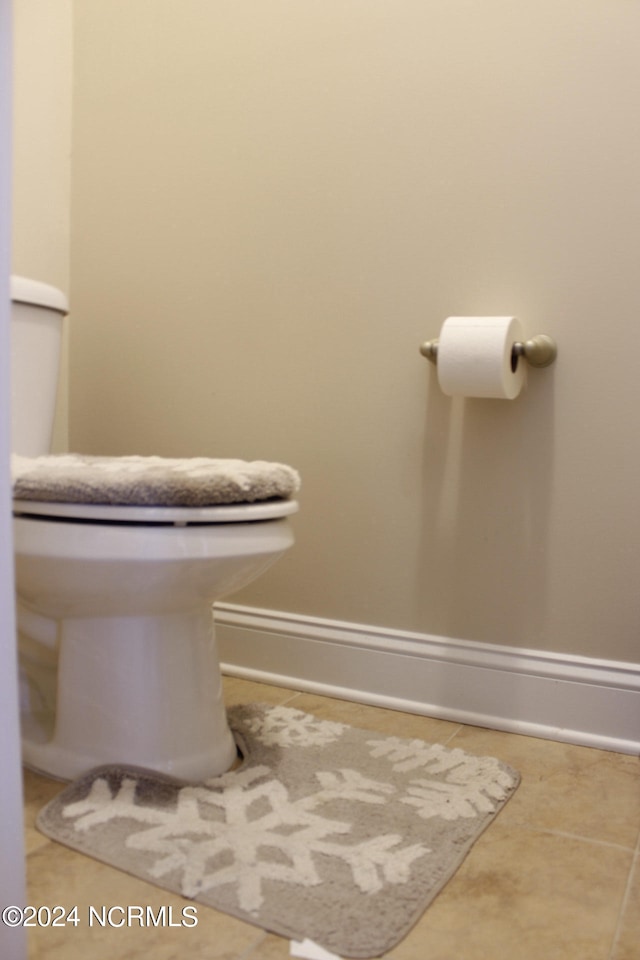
(591, 702)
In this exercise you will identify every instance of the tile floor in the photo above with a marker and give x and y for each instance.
(556, 876)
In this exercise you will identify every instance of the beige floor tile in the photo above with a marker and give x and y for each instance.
(392, 723)
(524, 895)
(38, 790)
(237, 690)
(271, 948)
(628, 945)
(57, 875)
(578, 790)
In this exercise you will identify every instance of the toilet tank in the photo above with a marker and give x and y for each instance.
(37, 313)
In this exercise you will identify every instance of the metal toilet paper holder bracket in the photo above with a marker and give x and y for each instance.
(539, 351)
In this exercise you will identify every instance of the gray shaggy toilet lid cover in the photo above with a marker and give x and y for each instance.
(150, 481)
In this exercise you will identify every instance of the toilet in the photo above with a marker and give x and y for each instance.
(114, 597)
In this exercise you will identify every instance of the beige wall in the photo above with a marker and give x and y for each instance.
(275, 203)
(42, 67)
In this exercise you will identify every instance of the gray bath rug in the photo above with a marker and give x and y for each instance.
(325, 832)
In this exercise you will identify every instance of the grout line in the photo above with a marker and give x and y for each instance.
(248, 952)
(295, 694)
(455, 733)
(635, 864)
(575, 836)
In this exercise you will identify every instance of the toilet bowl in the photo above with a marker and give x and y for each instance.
(131, 591)
(118, 562)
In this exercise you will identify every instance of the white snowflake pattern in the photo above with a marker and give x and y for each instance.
(471, 785)
(407, 754)
(243, 829)
(286, 727)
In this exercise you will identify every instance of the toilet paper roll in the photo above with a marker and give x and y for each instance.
(474, 357)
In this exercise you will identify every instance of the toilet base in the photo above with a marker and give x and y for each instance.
(141, 691)
(52, 760)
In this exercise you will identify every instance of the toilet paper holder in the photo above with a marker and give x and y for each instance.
(539, 351)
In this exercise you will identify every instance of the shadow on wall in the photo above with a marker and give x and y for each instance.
(487, 479)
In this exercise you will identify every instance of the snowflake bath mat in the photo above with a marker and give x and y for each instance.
(324, 832)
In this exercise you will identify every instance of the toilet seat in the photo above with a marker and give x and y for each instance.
(178, 516)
